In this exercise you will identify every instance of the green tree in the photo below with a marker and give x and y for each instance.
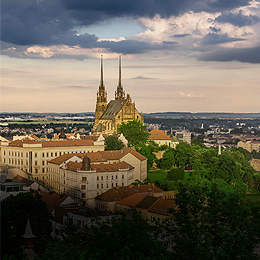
(176, 174)
(134, 131)
(168, 159)
(15, 210)
(147, 151)
(212, 224)
(124, 236)
(113, 143)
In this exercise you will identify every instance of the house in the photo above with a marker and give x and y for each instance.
(107, 200)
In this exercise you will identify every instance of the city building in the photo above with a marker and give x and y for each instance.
(249, 145)
(255, 163)
(107, 200)
(108, 116)
(184, 136)
(32, 155)
(127, 155)
(161, 138)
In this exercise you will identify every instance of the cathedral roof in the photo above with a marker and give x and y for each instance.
(113, 107)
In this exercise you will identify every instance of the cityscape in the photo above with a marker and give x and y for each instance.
(130, 130)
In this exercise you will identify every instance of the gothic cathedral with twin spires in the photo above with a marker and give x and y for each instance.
(108, 116)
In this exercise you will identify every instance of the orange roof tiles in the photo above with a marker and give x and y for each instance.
(100, 156)
(132, 200)
(101, 167)
(19, 178)
(162, 206)
(118, 193)
(59, 143)
(158, 135)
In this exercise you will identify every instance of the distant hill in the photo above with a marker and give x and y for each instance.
(202, 115)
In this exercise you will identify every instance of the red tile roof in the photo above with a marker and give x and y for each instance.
(158, 135)
(118, 193)
(58, 143)
(132, 200)
(101, 167)
(162, 206)
(21, 179)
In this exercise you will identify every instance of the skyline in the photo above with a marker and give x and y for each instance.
(193, 56)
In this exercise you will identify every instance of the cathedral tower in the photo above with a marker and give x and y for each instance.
(101, 104)
(120, 93)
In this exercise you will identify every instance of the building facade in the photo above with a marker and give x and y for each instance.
(32, 155)
(108, 116)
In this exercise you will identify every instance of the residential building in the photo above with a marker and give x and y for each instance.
(184, 136)
(32, 155)
(127, 155)
(161, 138)
(107, 200)
(249, 145)
(255, 163)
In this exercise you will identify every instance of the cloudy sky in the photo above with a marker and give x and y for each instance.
(182, 56)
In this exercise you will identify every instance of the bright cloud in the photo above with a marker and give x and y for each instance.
(190, 95)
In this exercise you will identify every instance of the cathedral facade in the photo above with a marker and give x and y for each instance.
(108, 116)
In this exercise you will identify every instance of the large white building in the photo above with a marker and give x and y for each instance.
(32, 155)
(106, 169)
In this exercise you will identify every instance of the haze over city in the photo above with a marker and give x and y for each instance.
(197, 56)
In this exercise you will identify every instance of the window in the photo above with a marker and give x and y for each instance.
(51, 154)
(97, 178)
(83, 187)
(47, 154)
(42, 154)
(84, 178)
(97, 186)
(112, 184)
(116, 184)
(101, 178)
(122, 184)
(42, 162)
(107, 185)
(21, 154)
(35, 163)
(36, 170)
(112, 177)
(35, 154)
(56, 154)
(123, 176)
(116, 176)
(101, 186)
(83, 195)
(21, 162)
(107, 177)
(42, 170)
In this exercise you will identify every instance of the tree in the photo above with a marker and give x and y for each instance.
(15, 212)
(125, 236)
(147, 151)
(168, 159)
(134, 131)
(176, 174)
(113, 143)
(212, 224)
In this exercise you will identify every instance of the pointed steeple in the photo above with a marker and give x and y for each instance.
(101, 78)
(120, 93)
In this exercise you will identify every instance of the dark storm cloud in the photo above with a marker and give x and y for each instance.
(42, 22)
(101, 9)
(180, 35)
(237, 19)
(250, 55)
(214, 38)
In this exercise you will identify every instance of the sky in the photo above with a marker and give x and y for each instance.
(178, 56)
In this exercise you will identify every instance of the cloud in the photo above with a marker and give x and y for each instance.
(214, 38)
(250, 55)
(238, 19)
(190, 95)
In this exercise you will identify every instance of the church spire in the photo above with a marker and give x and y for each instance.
(102, 95)
(101, 79)
(120, 93)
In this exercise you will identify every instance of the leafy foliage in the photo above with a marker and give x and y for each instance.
(124, 236)
(15, 211)
(134, 131)
(147, 151)
(213, 224)
(176, 174)
(113, 143)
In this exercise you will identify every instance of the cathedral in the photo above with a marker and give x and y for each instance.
(108, 116)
